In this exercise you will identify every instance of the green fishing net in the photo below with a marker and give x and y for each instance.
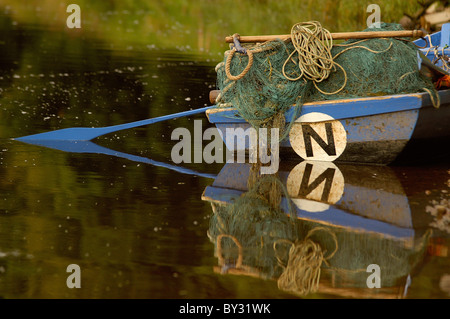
(375, 67)
(361, 68)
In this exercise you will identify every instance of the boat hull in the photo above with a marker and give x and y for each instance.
(377, 130)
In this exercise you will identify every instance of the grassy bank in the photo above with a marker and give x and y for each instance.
(198, 25)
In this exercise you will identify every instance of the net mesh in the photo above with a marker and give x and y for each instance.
(262, 86)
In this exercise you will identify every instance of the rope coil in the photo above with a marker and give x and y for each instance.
(313, 45)
(302, 271)
(228, 65)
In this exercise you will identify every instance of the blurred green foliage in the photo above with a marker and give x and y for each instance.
(201, 25)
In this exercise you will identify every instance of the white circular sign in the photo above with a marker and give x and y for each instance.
(313, 186)
(318, 137)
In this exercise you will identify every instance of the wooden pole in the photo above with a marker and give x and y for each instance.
(336, 36)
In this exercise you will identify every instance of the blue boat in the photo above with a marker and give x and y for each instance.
(377, 130)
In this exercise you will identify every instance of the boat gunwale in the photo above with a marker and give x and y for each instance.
(422, 98)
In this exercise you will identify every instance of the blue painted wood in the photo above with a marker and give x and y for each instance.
(392, 130)
(89, 133)
(445, 35)
(341, 218)
(439, 39)
(430, 55)
(382, 127)
(435, 40)
(339, 110)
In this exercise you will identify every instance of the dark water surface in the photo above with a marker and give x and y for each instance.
(138, 227)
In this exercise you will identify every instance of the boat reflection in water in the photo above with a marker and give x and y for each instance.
(317, 227)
